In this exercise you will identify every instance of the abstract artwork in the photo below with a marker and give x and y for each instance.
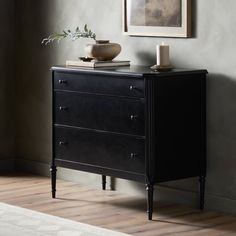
(167, 18)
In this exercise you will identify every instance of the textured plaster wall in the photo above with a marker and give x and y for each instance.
(7, 87)
(212, 47)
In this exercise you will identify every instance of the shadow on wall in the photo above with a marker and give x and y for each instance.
(194, 18)
(7, 87)
(147, 57)
(31, 29)
(221, 126)
(34, 21)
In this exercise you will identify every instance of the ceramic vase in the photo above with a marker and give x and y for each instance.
(103, 50)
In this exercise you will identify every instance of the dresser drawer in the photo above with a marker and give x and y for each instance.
(105, 84)
(99, 149)
(115, 114)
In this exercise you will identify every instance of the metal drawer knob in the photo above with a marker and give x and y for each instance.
(133, 155)
(131, 88)
(61, 108)
(61, 143)
(133, 117)
(62, 81)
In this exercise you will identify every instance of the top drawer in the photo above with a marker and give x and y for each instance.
(99, 84)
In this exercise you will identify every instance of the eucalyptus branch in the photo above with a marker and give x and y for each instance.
(85, 33)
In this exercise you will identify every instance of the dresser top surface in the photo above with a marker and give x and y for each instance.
(128, 70)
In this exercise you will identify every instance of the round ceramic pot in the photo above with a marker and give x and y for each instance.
(102, 50)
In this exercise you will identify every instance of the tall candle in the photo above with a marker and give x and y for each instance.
(163, 55)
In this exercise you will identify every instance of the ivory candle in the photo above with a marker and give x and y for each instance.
(163, 55)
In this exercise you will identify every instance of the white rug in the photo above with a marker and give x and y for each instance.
(17, 221)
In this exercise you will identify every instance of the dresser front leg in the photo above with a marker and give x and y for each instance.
(150, 189)
(104, 182)
(53, 170)
(202, 181)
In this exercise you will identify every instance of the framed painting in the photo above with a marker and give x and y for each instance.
(163, 18)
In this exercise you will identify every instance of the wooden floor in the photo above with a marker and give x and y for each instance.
(110, 209)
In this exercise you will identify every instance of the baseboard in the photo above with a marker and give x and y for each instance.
(165, 193)
(7, 164)
(33, 167)
(62, 173)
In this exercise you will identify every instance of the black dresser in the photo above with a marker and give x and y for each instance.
(130, 123)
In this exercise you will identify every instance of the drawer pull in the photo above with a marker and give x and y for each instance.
(131, 87)
(133, 117)
(61, 143)
(63, 108)
(133, 155)
(62, 81)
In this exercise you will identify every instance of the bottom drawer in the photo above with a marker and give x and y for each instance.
(100, 149)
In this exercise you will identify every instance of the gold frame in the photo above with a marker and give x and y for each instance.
(180, 32)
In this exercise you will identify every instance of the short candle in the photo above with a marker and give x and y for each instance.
(162, 55)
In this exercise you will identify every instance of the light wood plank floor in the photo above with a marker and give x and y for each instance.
(110, 209)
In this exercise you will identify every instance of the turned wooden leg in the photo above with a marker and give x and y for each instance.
(53, 170)
(149, 188)
(104, 182)
(202, 191)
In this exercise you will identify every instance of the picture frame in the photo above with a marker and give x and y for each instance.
(159, 18)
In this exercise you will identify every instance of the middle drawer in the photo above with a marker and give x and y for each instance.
(114, 114)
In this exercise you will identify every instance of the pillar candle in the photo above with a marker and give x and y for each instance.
(163, 55)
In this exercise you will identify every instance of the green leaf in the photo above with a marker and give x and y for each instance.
(86, 33)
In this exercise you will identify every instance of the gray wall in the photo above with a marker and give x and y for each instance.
(7, 85)
(212, 47)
